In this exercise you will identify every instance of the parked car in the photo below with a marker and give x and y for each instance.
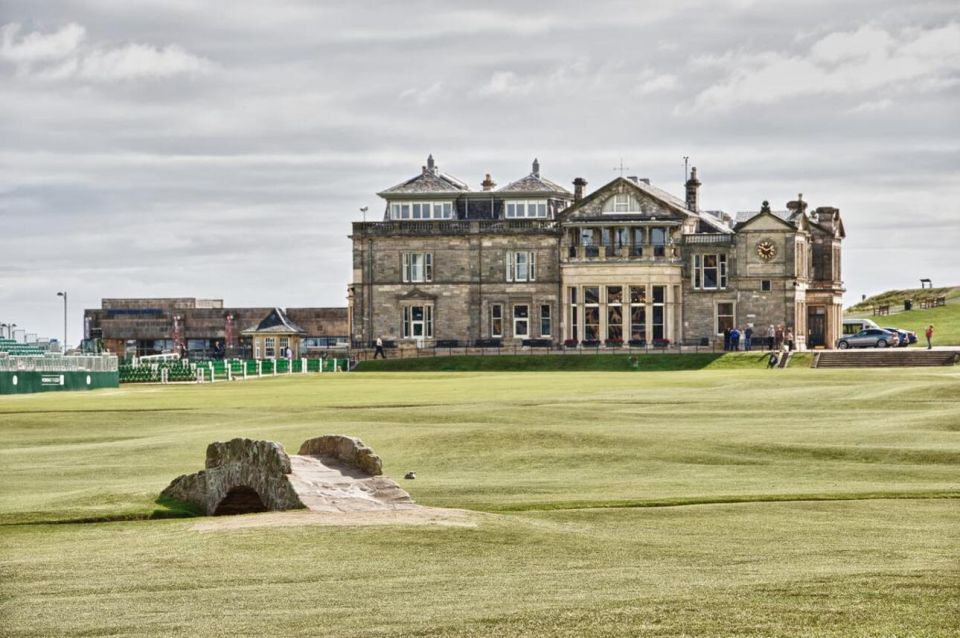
(870, 338)
(904, 336)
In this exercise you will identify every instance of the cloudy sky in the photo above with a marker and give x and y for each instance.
(212, 149)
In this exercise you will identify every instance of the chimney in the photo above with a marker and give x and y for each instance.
(797, 204)
(693, 195)
(579, 184)
(536, 168)
(488, 184)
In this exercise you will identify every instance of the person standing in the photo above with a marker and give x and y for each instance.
(778, 336)
(748, 338)
(771, 335)
(929, 334)
(726, 339)
(789, 339)
(379, 350)
(734, 339)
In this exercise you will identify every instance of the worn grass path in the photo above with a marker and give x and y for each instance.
(726, 503)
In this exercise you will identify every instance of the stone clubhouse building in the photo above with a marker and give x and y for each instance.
(532, 263)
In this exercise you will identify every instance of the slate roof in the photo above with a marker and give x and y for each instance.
(746, 215)
(277, 322)
(429, 181)
(533, 183)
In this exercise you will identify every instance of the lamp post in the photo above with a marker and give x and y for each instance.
(64, 295)
(10, 327)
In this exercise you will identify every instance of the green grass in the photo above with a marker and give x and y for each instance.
(945, 320)
(895, 298)
(648, 362)
(696, 503)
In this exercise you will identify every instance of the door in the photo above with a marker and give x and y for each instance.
(816, 326)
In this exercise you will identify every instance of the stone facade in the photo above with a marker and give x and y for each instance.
(630, 263)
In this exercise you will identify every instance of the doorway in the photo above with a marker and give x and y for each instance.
(816, 326)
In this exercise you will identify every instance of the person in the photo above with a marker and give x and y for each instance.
(379, 350)
(772, 360)
(726, 339)
(771, 335)
(748, 337)
(789, 339)
(734, 339)
(778, 336)
(929, 334)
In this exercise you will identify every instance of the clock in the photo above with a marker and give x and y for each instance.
(766, 250)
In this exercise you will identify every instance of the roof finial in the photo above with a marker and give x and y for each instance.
(765, 207)
(431, 166)
(536, 167)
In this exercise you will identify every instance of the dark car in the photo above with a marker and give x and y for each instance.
(904, 336)
(869, 338)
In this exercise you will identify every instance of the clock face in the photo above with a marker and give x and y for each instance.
(766, 250)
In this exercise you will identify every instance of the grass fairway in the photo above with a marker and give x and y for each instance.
(689, 503)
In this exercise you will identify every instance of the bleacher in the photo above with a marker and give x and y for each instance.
(15, 349)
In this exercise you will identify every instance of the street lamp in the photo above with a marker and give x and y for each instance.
(64, 295)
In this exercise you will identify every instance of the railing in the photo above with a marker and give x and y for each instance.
(57, 363)
(650, 252)
(708, 238)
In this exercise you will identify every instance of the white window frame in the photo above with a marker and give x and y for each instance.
(408, 323)
(417, 267)
(525, 209)
(521, 265)
(520, 320)
(421, 211)
(621, 203)
(496, 314)
(699, 271)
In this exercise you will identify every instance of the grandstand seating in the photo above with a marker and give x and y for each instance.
(16, 349)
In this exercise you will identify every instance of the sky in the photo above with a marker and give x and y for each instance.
(161, 148)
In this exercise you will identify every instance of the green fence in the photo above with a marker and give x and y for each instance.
(55, 373)
(225, 370)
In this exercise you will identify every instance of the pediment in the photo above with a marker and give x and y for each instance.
(418, 295)
(647, 202)
(765, 222)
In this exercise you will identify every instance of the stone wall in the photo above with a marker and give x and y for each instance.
(344, 449)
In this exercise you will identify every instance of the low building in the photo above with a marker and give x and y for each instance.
(205, 328)
(628, 264)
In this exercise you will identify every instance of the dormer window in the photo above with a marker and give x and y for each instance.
(421, 210)
(518, 209)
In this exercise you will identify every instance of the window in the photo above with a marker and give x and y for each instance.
(284, 344)
(614, 313)
(709, 272)
(574, 314)
(591, 313)
(270, 349)
(521, 321)
(659, 305)
(724, 316)
(521, 209)
(521, 265)
(621, 203)
(765, 285)
(496, 320)
(421, 210)
(658, 237)
(638, 312)
(545, 328)
(638, 240)
(417, 267)
(417, 322)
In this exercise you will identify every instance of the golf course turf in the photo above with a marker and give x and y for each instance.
(715, 502)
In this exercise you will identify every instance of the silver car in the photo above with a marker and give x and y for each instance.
(869, 338)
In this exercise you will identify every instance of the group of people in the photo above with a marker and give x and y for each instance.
(776, 338)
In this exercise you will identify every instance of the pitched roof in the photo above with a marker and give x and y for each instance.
(533, 183)
(429, 181)
(671, 203)
(276, 322)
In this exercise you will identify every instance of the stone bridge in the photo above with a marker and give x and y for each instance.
(332, 473)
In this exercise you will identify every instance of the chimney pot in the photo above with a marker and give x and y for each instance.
(579, 184)
(488, 184)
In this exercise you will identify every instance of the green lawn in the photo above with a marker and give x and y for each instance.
(709, 502)
(945, 320)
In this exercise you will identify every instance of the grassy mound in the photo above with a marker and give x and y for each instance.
(582, 362)
(895, 298)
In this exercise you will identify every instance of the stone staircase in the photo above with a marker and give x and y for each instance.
(884, 358)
